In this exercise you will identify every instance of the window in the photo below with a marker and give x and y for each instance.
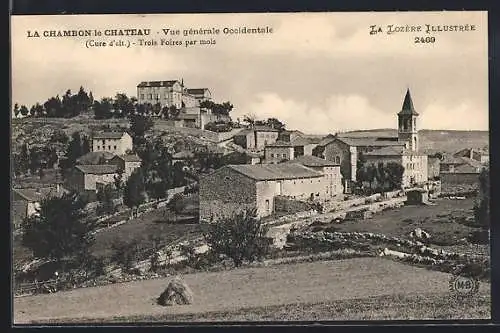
(272, 155)
(284, 155)
(109, 147)
(150, 96)
(103, 141)
(142, 96)
(98, 147)
(115, 147)
(337, 159)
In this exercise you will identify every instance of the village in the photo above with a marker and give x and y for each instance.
(154, 172)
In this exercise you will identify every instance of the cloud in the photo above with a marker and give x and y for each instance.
(337, 112)
(461, 116)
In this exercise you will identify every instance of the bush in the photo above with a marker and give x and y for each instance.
(240, 237)
(480, 237)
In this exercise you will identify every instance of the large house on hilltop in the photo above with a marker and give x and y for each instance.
(234, 188)
(171, 93)
(187, 100)
(403, 149)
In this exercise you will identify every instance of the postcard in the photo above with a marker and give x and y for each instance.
(183, 168)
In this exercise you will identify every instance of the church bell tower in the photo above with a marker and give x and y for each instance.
(407, 123)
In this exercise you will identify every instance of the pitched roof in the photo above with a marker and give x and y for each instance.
(98, 169)
(312, 161)
(300, 141)
(169, 83)
(369, 142)
(393, 151)
(408, 107)
(467, 168)
(260, 128)
(182, 155)
(36, 195)
(108, 135)
(197, 91)
(244, 132)
(94, 157)
(275, 171)
(130, 158)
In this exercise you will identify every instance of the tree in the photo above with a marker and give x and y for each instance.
(73, 151)
(58, 231)
(139, 125)
(35, 160)
(370, 173)
(276, 124)
(482, 204)
(118, 181)
(16, 110)
(24, 111)
(178, 175)
(395, 173)
(250, 119)
(59, 136)
(102, 109)
(85, 146)
(241, 237)
(105, 197)
(23, 160)
(133, 192)
(53, 107)
(173, 112)
(381, 175)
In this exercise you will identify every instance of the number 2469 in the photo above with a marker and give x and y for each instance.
(424, 40)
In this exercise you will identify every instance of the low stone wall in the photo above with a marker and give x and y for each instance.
(290, 205)
(279, 232)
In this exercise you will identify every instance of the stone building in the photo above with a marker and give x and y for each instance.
(414, 163)
(118, 143)
(480, 155)
(166, 93)
(233, 188)
(127, 164)
(280, 150)
(85, 177)
(347, 150)
(26, 201)
(257, 137)
(171, 93)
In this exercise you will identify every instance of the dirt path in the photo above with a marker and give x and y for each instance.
(242, 288)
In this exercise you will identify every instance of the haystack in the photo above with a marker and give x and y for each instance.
(177, 292)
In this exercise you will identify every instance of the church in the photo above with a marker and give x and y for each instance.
(402, 149)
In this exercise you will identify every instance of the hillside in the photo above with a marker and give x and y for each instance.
(435, 140)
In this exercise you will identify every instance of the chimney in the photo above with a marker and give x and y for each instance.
(471, 154)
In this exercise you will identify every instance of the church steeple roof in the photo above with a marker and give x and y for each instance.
(408, 107)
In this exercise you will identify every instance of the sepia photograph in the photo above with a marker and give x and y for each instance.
(258, 167)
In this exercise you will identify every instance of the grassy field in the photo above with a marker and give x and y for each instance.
(364, 283)
(435, 306)
(440, 221)
(142, 229)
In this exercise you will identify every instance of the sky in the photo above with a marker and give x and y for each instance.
(317, 72)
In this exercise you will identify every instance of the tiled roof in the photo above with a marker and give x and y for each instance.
(294, 143)
(259, 128)
(169, 83)
(94, 157)
(369, 142)
(36, 195)
(98, 169)
(393, 151)
(130, 158)
(467, 168)
(244, 132)
(312, 161)
(182, 155)
(275, 171)
(196, 91)
(108, 135)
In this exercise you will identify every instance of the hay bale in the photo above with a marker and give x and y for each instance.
(177, 292)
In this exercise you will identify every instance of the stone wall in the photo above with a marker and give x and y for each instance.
(225, 192)
(289, 205)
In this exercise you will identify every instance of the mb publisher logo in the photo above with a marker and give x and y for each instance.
(464, 285)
